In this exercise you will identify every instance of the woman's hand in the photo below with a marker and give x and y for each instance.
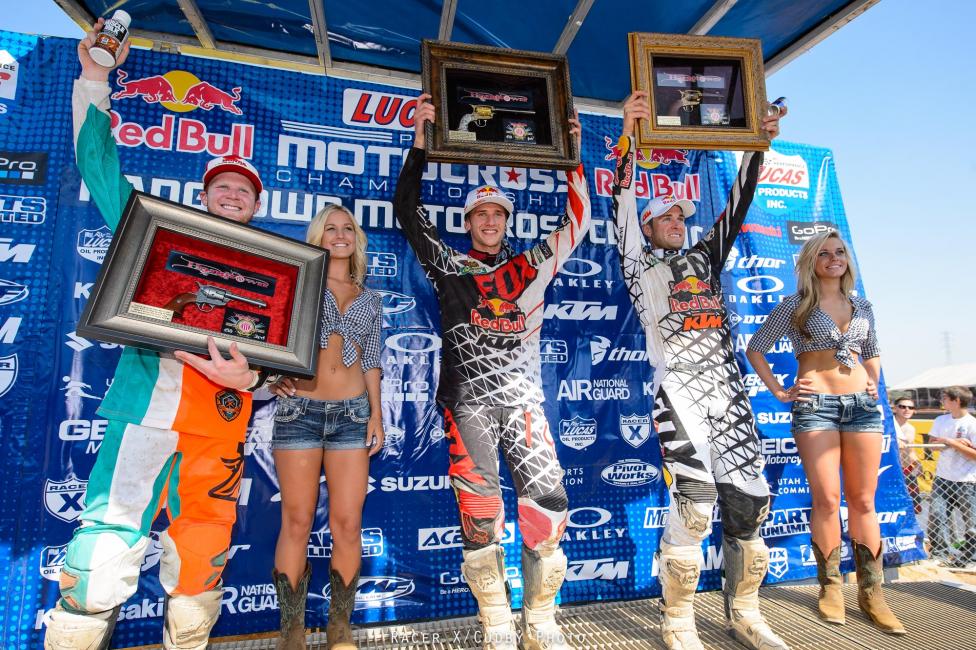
(284, 387)
(871, 389)
(796, 392)
(374, 433)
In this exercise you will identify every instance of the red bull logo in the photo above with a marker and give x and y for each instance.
(508, 318)
(186, 135)
(179, 91)
(701, 296)
(652, 158)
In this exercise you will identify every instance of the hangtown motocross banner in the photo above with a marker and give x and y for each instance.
(318, 140)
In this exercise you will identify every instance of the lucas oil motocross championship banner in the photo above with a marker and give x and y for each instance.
(318, 140)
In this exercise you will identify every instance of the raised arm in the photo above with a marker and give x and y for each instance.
(630, 238)
(407, 205)
(95, 148)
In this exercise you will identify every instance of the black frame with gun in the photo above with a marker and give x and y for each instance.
(498, 106)
(113, 315)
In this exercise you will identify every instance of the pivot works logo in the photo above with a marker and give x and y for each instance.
(93, 244)
(606, 568)
(24, 210)
(635, 429)
(630, 473)
(436, 539)
(65, 499)
(23, 167)
(179, 91)
(578, 433)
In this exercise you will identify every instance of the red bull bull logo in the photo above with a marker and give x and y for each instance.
(652, 158)
(179, 91)
(692, 285)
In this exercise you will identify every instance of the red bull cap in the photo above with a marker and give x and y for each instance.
(233, 164)
(487, 194)
(661, 204)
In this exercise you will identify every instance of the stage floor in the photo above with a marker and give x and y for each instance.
(939, 616)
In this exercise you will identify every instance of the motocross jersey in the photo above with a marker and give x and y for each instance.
(148, 389)
(678, 295)
(491, 308)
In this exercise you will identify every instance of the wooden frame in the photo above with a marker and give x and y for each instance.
(680, 73)
(520, 104)
(277, 284)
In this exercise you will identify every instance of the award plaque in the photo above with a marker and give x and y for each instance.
(174, 275)
(705, 92)
(498, 106)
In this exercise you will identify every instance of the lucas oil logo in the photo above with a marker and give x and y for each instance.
(179, 91)
(578, 432)
(93, 243)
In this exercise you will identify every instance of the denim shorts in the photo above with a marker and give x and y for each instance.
(304, 423)
(854, 412)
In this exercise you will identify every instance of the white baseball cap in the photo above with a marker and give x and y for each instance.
(661, 204)
(487, 194)
(233, 164)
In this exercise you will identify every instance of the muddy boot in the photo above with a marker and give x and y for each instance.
(484, 570)
(542, 576)
(870, 576)
(679, 570)
(291, 602)
(338, 633)
(70, 631)
(189, 619)
(831, 600)
(746, 562)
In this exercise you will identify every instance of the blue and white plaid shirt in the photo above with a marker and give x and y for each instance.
(360, 325)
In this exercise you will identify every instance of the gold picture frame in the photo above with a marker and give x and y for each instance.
(705, 92)
(498, 106)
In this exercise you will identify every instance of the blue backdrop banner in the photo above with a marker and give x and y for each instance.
(318, 140)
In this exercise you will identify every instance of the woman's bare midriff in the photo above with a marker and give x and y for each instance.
(830, 376)
(333, 380)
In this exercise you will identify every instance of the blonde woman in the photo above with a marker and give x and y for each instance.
(333, 421)
(836, 420)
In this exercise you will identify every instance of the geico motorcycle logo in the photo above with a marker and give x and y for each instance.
(601, 350)
(381, 264)
(779, 417)
(65, 499)
(396, 303)
(90, 431)
(11, 292)
(94, 243)
(779, 561)
(578, 433)
(630, 473)
(774, 446)
(759, 284)
(786, 521)
(575, 390)
(580, 310)
(320, 543)
(18, 253)
(435, 539)
(248, 598)
(553, 351)
(600, 569)
(656, 517)
(374, 109)
(8, 334)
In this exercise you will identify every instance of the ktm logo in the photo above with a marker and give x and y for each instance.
(703, 321)
(179, 91)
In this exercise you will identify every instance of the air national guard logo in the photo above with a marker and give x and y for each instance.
(578, 432)
(635, 429)
(65, 499)
(8, 373)
(779, 562)
(229, 404)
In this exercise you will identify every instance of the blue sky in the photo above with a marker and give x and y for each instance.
(892, 94)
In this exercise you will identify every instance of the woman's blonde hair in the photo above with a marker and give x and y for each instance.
(357, 264)
(807, 283)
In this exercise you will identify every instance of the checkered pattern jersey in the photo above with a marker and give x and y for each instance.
(860, 336)
(359, 325)
(490, 315)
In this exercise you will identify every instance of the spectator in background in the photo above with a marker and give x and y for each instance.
(954, 487)
(911, 466)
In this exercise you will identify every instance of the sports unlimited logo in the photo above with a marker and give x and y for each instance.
(93, 243)
(578, 433)
(631, 472)
(24, 210)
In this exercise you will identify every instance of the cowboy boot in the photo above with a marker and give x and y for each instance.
(870, 576)
(484, 570)
(679, 570)
(746, 562)
(542, 576)
(291, 602)
(338, 632)
(831, 599)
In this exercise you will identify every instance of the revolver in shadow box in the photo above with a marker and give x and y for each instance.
(486, 104)
(207, 297)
